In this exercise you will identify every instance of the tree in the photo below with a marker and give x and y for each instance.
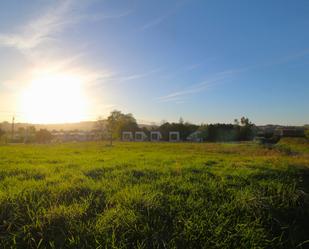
(307, 133)
(185, 129)
(181, 120)
(117, 122)
(31, 130)
(246, 131)
(244, 121)
(239, 131)
(3, 138)
(21, 133)
(2, 132)
(30, 134)
(236, 122)
(100, 128)
(43, 136)
(221, 132)
(112, 121)
(128, 123)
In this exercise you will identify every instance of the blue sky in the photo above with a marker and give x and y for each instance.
(206, 61)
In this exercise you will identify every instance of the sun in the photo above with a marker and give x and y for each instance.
(58, 98)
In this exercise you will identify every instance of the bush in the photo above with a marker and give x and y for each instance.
(307, 133)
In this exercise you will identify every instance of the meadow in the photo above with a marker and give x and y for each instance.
(155, 195)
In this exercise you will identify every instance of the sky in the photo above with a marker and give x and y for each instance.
(206, 61)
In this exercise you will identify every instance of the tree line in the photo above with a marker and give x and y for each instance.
(118, 122)
(26, 135)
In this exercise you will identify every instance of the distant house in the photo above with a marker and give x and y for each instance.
(266, 131)
(155, 136)
(195, 137)
(71, 136)
(174, 136)
(127, 136)
(140, 136)
(290, 132)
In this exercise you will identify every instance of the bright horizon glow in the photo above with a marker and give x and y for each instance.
(57, 98)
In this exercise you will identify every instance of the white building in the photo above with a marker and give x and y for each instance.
(155, 136)
(174, 136)
(140, 136)
(195, 137)
(127, 136)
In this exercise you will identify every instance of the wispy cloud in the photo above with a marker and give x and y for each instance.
(288, 58)
(137, 76)
(155, 22)
(47, 26)
(194, 66)
(178, 96)
(129, 77)
(158, 20)
(40, 29)
(32, 39)
(196, 88)
(102, 16)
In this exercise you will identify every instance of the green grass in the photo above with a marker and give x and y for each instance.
(154, 195)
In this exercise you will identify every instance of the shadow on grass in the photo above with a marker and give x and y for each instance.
(287, 205)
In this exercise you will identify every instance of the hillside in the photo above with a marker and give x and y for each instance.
(85, 125)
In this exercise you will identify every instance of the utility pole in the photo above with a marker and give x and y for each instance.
(12, 131)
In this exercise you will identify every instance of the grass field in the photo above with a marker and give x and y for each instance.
(154, 195)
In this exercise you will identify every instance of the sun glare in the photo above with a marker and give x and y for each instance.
(54, 99)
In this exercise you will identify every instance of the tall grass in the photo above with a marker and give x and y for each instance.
(154, 195)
